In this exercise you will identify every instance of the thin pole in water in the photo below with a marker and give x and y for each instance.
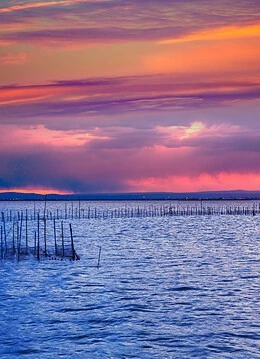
(55, 237)
(72, 244)
(26, 231)
(45, 236)
(18, 245)
(2, 255)
(62, 238)
(4, 228)
(20, 234)
(13, 238)
(38, 249)
(35, 236)
(45, 206)
(99, 256)
(38, 236)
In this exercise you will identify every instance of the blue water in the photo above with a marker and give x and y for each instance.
(166, 287)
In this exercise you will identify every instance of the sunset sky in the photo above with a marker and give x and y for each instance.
(128, 96)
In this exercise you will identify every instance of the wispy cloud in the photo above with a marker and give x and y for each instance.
(123, 95)
(228, 32)
(135, 21)
(91, 35)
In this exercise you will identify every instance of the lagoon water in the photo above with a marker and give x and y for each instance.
(167, 287)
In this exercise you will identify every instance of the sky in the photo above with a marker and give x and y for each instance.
(101, 96)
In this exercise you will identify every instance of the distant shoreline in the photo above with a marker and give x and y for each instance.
(235, 195)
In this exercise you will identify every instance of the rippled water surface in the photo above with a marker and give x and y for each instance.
(166, 287)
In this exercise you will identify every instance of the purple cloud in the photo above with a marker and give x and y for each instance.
(109, 169)
(134, 19)
(95, 35)
(107, 105)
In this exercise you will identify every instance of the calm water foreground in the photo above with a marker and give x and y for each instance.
(166, 287)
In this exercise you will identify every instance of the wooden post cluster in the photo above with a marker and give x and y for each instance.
(19, 241)
(27, 233)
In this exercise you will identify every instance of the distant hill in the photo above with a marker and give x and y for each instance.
(216, 195)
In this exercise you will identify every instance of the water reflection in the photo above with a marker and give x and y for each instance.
(166, 288)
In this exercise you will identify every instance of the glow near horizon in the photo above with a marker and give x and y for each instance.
(128, 101)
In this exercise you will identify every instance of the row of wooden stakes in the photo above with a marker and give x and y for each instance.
(20, 241)
(130, 212)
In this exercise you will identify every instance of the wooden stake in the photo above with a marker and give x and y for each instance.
(55, 237)
(3, 219)
(18, 246)
(99, 256)
(26, 232)
(38, 248)
(35, 236)
(2, 254)
(38, 237)
(62, 238)
(72, 244)
(13, 238)
(45, 236)
(20, 234)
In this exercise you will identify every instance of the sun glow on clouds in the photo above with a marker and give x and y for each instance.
(179, 133)
(214, 58)
(35, 189)
(194, 129)
(229, 49)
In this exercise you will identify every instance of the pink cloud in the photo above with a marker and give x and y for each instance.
(13, 58)
(205, 182)
(125, 168)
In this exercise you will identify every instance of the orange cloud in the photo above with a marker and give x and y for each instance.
(223, 33)
(16, 95)
(221, 57)
(35, 189)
